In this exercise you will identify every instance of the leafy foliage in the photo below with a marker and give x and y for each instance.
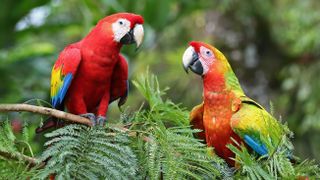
(260, 38)
(160, 110)
(279, 164)
(302, 100)
(171, 151)
(159, 144)
(7, 137)
(15, 170)
(174, 154)
(9, 147)
(78, 151)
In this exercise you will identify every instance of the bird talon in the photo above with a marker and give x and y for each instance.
(90, 116)
(101, 120)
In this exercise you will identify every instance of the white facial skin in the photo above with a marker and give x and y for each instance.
(120, 28)
(206, 58)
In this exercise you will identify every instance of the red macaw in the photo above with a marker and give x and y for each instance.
(226, 112)
(91, 73)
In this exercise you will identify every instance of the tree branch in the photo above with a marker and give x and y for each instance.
(45, 111)
(18, 156)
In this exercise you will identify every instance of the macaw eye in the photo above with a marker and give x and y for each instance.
(121, 22)
(208, 53)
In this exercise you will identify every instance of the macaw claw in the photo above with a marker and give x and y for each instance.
(101, 120)
(90, 116)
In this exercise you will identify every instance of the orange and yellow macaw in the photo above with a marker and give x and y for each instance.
(226, 112)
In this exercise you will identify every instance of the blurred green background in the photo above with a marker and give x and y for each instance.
(273, 46)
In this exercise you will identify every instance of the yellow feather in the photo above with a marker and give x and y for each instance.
(253, 119)
(56, 80)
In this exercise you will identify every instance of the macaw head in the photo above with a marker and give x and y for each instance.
(122, 28)
(203, 58)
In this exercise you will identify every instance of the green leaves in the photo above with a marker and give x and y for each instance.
(159, 144)
(159, 110)
(7, 137)
(170, 151)
(12, 159)
(78, 151)
(174, 154)
(276, 165)
(294, 30)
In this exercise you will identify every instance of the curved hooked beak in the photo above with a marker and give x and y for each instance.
(191, 60)
(135, 35)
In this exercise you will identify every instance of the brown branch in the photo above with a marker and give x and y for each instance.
(18, 156)
(45, 111)
(56, 113)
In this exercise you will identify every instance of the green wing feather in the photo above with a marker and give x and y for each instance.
(254, 121)
(261, 131)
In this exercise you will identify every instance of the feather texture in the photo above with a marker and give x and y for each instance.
(62, 74)
(229, 116)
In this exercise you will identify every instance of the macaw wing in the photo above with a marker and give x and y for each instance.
(258, 129)
(119, 82)
(63, 73)
(196, 120)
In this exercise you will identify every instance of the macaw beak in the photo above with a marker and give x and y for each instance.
(135, 35)
(191, 60)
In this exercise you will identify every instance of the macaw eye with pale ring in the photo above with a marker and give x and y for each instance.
(121, 22)
(206, 52)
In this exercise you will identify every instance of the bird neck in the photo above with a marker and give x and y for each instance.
(219, 80)
(214, 81)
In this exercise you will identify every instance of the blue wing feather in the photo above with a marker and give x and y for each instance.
(255, 145)
(58, 99)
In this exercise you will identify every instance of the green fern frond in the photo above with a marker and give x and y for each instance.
(175, 155)
(79, 151)
(15, 168)
(161, 145)
(307, 168)
(160, 110)
(277, 165)
(7, 138)
(171, 151)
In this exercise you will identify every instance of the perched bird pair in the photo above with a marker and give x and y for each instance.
(91, 73)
